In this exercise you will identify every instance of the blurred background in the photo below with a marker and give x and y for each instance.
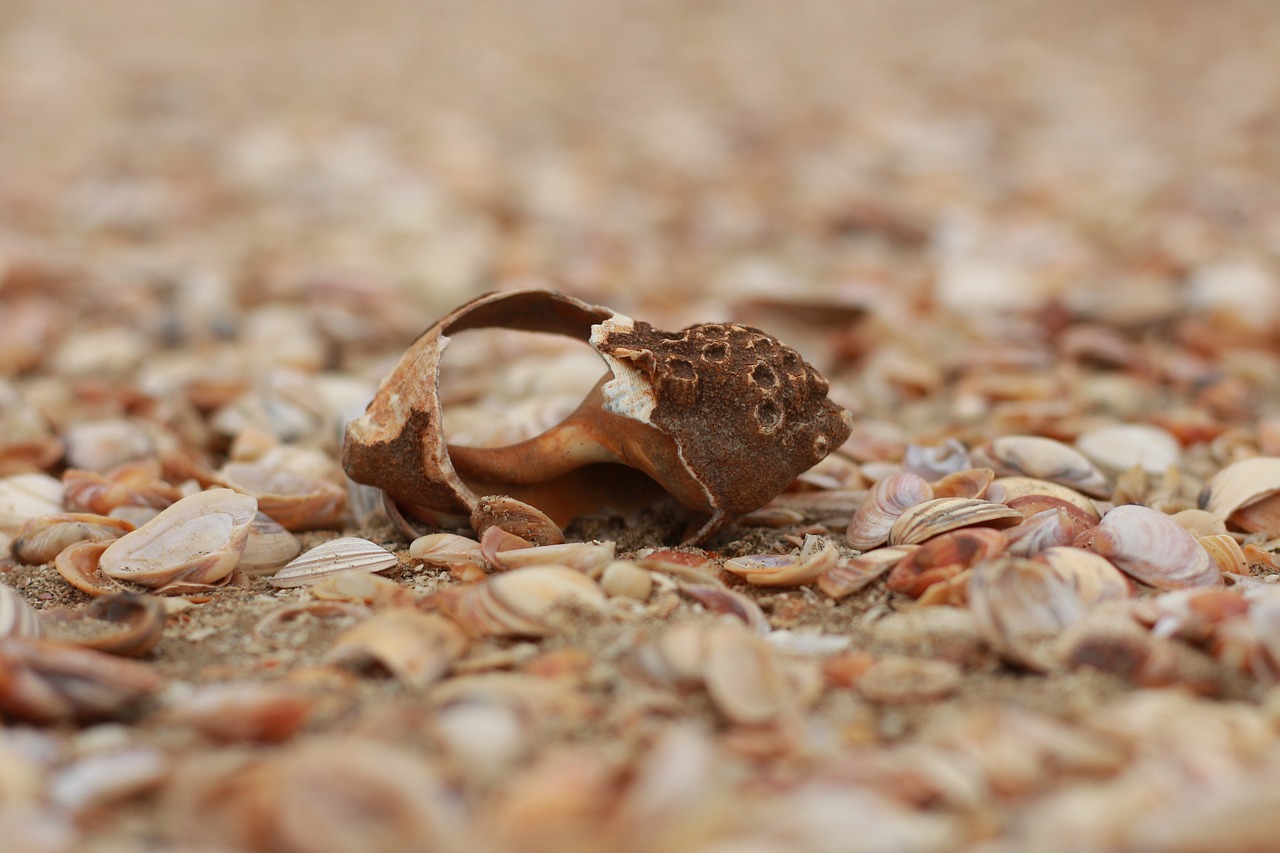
(166, 167)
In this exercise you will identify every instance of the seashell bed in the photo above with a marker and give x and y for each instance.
(658, 428)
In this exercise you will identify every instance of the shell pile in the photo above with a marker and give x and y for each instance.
(919, 489)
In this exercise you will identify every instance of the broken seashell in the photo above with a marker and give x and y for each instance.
(1045, 459)
(1199, 522)
(417, 648)
(686, 409)
(78, 565)
(119, 623)
(851, 574)
(268, 547)
(496, 540)
(1226, 553)
(590, 558)
(448, 550)
(243, 711)
(1020, 603)
(941, 515)
(297, 501)
(133, 484)
(197, 540)
(42, 539)
(537, 601)
(17, 617)
(1148, 545)
(347, 554)
(966, 483)
(943, 557)
(719, 599)
(884, 503)
(1245, 494)
(814, 558)
(47, 681)
(515, 517)
(27, 496)
(1117, 448)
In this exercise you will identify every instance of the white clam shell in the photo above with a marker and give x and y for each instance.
(199, 539)
(27, 496)
(1150, 546)
(1118, 448)
(269, 546)
(350, 553)
(537, 601)
(587, 557)
(942, 515)
(1045, 459)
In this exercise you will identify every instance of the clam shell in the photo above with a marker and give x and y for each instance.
(199, 540)
(48, 681)
(348, 554)
(1046, 529)
(515, 517)
(1094, 578)
(1018, 604)
(446, 549)
(27, 496)
(1007, 489)
(17, 617)
(268, 547)
(718, 599)
(1225, 552)
(119, 623)
(78, 565)
(966, 483)
(1240, 484)
(854, 573)
(534, 602)
(245, 711)
(297, 501)
(943, 557)
(941, 515)
(884, 503)
(135, 484)
(43, 539)
(587, 557)
(743, 675)
(1116, 449)
(418, 648)
(1148, 545)
(816, 557)
(1045, 459)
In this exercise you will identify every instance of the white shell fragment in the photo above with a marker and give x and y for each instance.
(198, 540)
(942, 515)
(1150, 546)
(814, 559)
(418, 648)
(350, 553)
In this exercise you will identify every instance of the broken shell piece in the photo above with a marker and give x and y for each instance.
(1045, 459)
(27, 496)
(120, 623)
(268, 547)
(718, 599)
(854, 573)
(1046, 529)
(42, 539)
(1226, 553)
(350, 553)
(1019, 603)
(1241, 484)
(533, 602)
(297, 501)
(17, 617)
(515, 517)
(78, 565)
(1199, 523)
(884, 503)
(417, 648)
(47, 681)
(966, 483)
(197, 540)
(364, 588)
(1150, 546)
(590, 558)
(817, 556)
(941, 515)
(687, 409)
(943, 557)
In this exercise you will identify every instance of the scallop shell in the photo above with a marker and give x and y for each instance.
(199, 540)
(348, 554)
(884, 503)
(533, 602)
(17, 617)
(1150, 546)
(941, 515)
(854, 573)
(1045, 459)
(813, 559)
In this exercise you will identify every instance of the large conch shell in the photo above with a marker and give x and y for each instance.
(721, 416)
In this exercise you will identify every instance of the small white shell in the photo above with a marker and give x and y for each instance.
(1118, 448)
(350, 553)
(199, 540)
(1152, 547)
(814, 559)
(269, 546)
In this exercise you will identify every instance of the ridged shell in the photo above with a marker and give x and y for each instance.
(1045, 459)
(966, 483)
(1008, 489)
(17, 617)
(941, 515)
(1047, 529)
(1150, 546)
(1225, 552)
(199, 540)
(516, 517)
(268, 547)
(816, 557)
(884, 503)
(1240, 484)
(348, 554)
(854, 573)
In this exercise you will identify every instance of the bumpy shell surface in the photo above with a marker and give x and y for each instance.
(199, 539)
(723, 417)
(1155, 549)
